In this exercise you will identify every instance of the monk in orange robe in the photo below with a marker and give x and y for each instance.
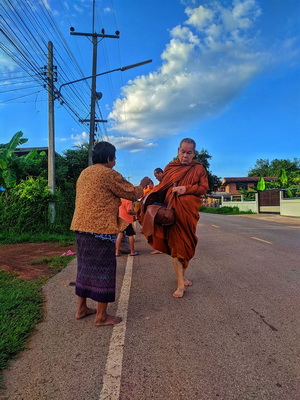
(179, 240)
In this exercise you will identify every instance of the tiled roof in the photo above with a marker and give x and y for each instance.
(248, 179)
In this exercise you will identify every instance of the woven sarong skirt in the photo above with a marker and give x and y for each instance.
(96, 268)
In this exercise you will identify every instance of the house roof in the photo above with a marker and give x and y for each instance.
(248, 179)
(219, 195)
(26, 150)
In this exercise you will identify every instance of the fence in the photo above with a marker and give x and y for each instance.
(289, 207)
(242, 204)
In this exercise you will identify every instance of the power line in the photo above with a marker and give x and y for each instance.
(19, 97)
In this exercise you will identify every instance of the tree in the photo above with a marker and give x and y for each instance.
(287, 172)
(263, 167)
(214, 181)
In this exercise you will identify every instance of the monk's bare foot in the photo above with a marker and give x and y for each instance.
(84, 312)
(155, 252)
(187, 282)
(108, 320)
(179, 293)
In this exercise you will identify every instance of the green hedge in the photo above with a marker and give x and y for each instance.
(25, 208)
(223, 210)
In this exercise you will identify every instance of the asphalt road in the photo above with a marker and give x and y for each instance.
(234, 335)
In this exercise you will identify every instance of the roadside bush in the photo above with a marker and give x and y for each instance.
(25, 208)
(223, 210)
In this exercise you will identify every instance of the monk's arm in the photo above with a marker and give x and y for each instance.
(200, 188)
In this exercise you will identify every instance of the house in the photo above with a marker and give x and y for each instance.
(232, 186)
(23, 151)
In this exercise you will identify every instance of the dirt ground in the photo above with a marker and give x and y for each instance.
(17, 257)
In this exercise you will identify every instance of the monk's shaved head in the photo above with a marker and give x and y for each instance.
(186, 151)
(188, 140)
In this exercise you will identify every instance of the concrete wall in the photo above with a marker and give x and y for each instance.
(289, 207)
(243, 205)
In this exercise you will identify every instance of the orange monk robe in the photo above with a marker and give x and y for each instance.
(180, 240)
(146, 191)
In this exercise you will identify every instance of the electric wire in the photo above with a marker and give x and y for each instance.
(19, 97)
(27, 27)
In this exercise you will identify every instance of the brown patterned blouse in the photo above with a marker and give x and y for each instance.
(98, 193)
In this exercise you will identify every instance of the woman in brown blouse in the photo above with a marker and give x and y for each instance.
(96, 225)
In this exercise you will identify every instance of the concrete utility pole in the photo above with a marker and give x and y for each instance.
(92, 119)
(51, 142)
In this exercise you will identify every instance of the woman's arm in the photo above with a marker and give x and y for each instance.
(125, 189)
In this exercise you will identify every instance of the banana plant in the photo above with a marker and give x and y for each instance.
(261, 184)
(8, 159)
(283, 178)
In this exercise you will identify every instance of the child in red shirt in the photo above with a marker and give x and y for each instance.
(126, 212)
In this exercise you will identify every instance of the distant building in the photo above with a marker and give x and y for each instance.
(23, 151)
(232, 186)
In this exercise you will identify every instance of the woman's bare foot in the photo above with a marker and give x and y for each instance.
(179, 293)
(108, 320)
(187, 282)
(84, 312)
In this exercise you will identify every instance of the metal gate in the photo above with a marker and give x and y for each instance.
(269, 201)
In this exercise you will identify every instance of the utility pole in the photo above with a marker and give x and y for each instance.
(51, 142)
(92, 119)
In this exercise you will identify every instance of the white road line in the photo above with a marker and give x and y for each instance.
(261, 240)
(215, 226)
(113, 368)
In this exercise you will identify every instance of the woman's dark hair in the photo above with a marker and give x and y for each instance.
(103, 152)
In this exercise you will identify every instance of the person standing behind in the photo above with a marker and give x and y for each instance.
(96, 225)
(158, 173)
(126, 212)
(148, 189)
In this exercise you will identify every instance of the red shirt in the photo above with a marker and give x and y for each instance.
(123, 211)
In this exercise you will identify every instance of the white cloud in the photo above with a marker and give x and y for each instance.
(199, 17)
(6, 63)
(80, 138)
(207, 63)
(77, 8)
(131, 144)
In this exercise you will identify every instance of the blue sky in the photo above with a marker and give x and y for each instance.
(225, 73)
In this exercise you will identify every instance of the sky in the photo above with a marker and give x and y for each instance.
(225, 73)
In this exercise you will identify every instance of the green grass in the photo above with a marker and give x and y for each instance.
(223, 210)
(20, 310)
(63, 239)
(21, 307)
(56, 263)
